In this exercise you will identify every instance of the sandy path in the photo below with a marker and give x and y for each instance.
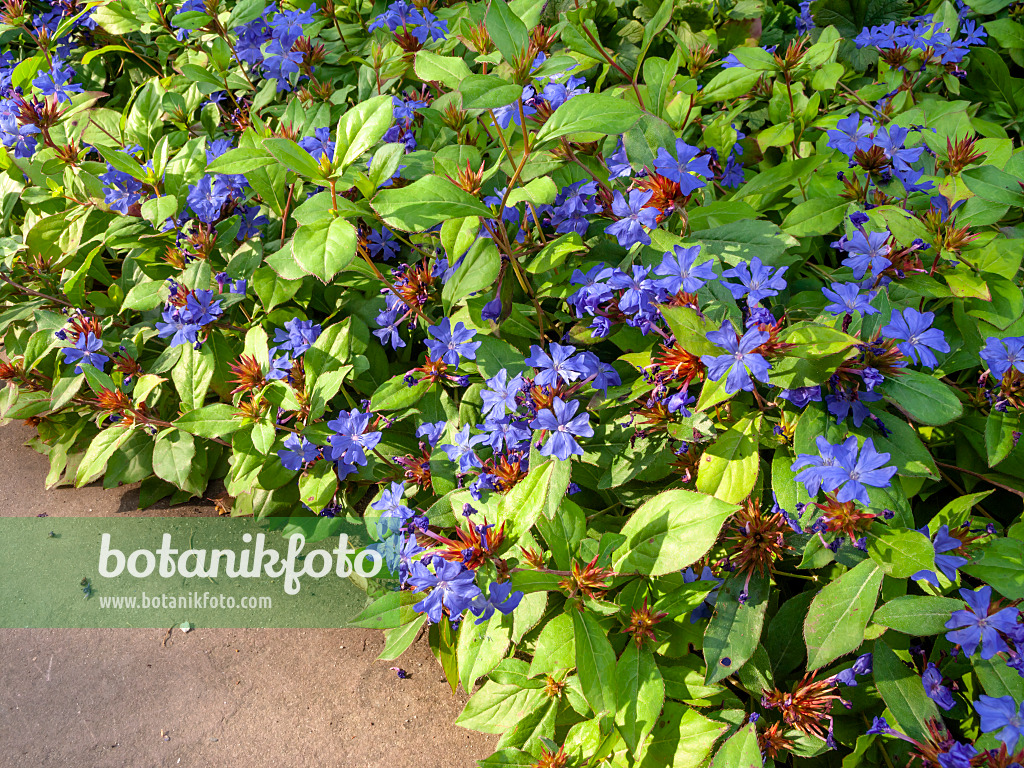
(212, 697)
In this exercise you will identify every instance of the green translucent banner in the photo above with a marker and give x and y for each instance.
(166, 571)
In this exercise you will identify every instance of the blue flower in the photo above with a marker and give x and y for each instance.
(757, 281)
(917, 336)
(937, 692)
(958, 756)
(1005, 713)
(633, 217)
(867, 250)
(500, 394)
(429, 26)
(851, 135)
(891, 140)
(973, 34)
(846, 299)
(297, 451)
(451, 344)
(55, 80)
(177, 327)
(432, 431)
(280, 367)
(554, 366)
(862, 666)
(88, 350)
(686, 168)
(879, 727)
(1000, 355)
(741, 363)
(297, 335)
(563, 423)
(947, 564)
(207, 198)
(852, 472)
(845, 400)
(504, 431)
(319, 145)
(461, 450)
(382, 245)
(974, 625)
(502, 599)
(732, 173)
(350, 440)
(802, 396)
(451, 586)
(121, 191)
(679, 270)
(201, 308)
(618, 163)
(600, 374)
(704, 610)
(639, 289)
(281, 63)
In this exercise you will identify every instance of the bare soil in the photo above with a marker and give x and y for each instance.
(106, 698)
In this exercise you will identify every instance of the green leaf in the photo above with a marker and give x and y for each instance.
(901, 690)
(735, 628)
(395, 393)
(998, 678)
(102, 447)
(507, 31)
(539, 493)
(318, 484)
(496, 708)
(479, 270)
(361, 128)
(215, 420)
(395, 609)
(324, 248)
(487, 92)
(683, 738)
(293, 157)
(173, 456)
(640, 690)
(590, 112)
(918, 615)
(923, 398)
(240, 160)
(555, 253)
(816, 353)
(1000, 430)
(849, 17)
(729, 83)
(783, 641)
(424, 203)
(1002, 566)
(192, 375)
(728, 468)
(447, 70)
(690, 329)
(740, 750)
(840, 612)
(595, 661)
(482, 646)
(670, 532)
(556, 647)
(398, 639)
(990, 183)
(900, 553)
(817, 216)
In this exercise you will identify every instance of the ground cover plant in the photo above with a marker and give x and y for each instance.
(673, 352)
